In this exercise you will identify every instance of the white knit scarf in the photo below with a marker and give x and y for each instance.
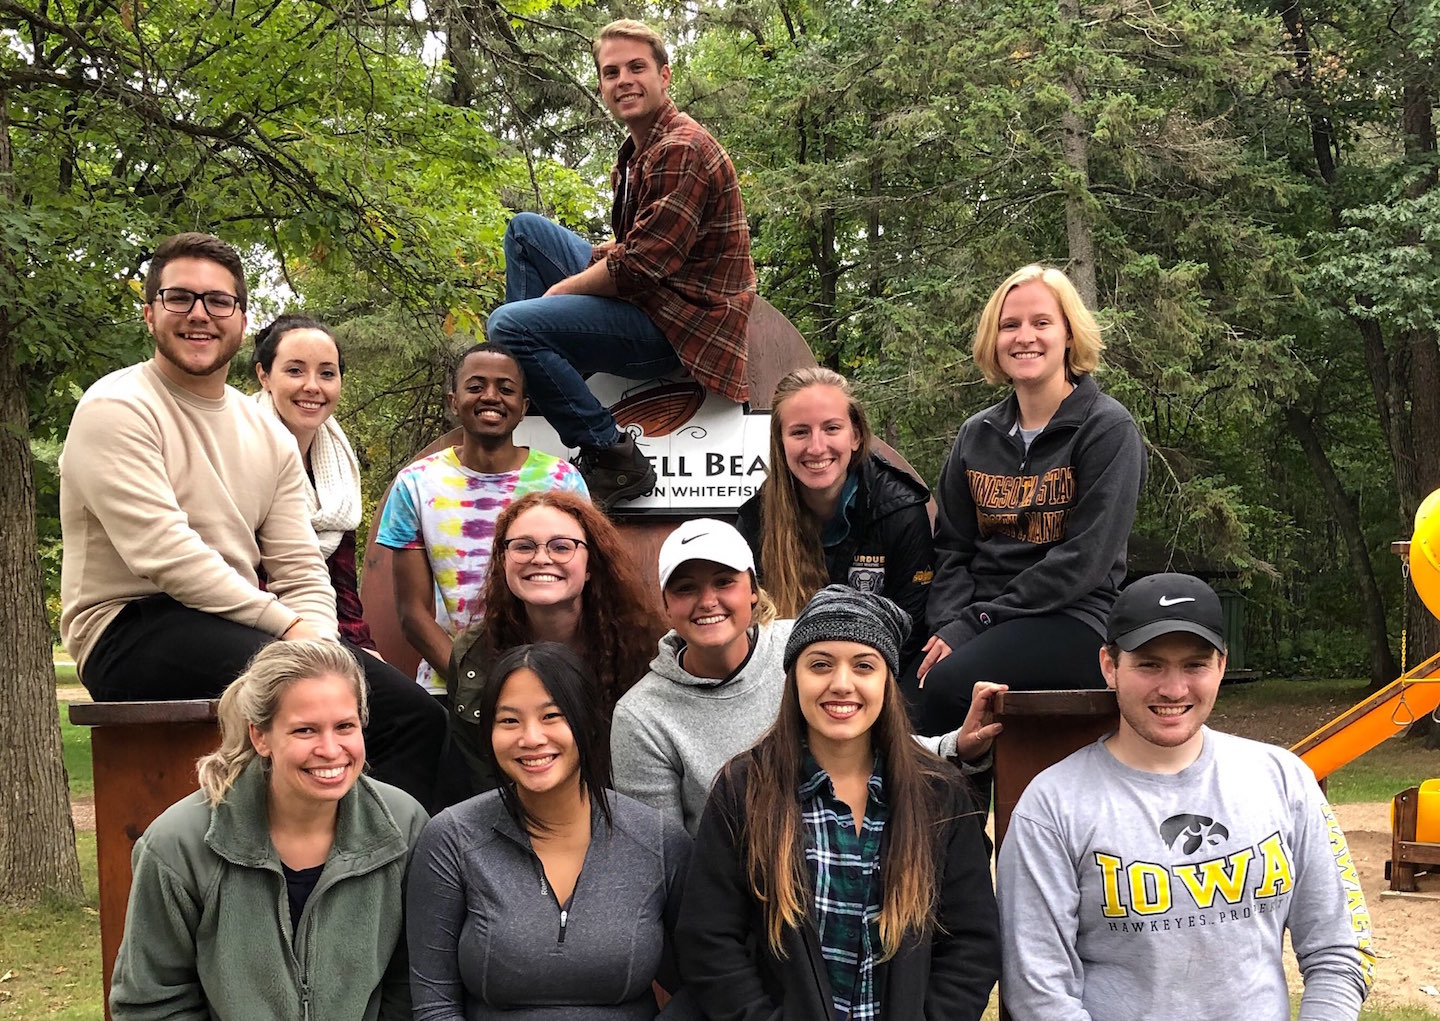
(335, 492)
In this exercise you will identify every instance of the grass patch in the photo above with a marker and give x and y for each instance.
(77, 755)
(1398, 1014)
(1381, 774)
(65, 675)
(52, 955)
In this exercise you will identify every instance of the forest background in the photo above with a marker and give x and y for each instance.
(1246, 191)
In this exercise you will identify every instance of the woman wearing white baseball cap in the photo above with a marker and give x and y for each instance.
(715, 683)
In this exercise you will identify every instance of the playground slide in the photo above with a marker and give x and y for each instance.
(1363, 726)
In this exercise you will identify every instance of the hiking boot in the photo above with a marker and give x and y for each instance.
(615, 473)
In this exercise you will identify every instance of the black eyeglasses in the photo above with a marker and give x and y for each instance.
(181, 300)
(561, 550)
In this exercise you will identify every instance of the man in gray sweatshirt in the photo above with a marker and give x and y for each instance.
(1153, 874)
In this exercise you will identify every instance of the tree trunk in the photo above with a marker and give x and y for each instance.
(824, 258)
(37, 835)
(1346, 514)
(876, 284)
(1075, 146)
(1421, 349)
(460, 52)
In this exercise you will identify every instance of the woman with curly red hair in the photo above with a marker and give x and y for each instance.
(560, 574)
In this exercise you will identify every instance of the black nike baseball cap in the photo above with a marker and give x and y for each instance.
(1163, 604)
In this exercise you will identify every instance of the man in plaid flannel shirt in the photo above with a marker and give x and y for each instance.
(673, 289)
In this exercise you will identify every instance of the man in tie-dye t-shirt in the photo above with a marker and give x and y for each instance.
(440, 517)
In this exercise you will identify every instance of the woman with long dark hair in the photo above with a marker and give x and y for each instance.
(551, 897)
(839, 869)
(301, 369)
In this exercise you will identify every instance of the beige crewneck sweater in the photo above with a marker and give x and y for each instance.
(164, 491)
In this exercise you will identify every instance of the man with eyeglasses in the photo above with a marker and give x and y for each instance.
(441, 513)
(177, 495)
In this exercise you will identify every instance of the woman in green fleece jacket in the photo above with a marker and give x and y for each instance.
(275, 890)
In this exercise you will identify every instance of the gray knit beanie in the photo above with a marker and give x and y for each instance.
(839, 613)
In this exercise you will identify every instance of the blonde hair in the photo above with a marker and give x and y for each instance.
(1083, 353)
(627, 28)
(792, 561)
(763, 612)
(253, 699)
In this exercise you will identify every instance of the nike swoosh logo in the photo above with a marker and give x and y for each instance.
(692, 538)
(1167, 601)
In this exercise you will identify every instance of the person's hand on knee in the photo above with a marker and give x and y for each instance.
(936, 649)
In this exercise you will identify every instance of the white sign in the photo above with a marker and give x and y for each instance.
(709, 453)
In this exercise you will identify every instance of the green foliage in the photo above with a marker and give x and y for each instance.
(1386, 260)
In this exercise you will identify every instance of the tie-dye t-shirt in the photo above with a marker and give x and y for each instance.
(449, 511)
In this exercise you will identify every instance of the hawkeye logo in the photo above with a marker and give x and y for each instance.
(1196, 829)
(1259, 873)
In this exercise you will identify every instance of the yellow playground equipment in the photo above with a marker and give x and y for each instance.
(1415, 814)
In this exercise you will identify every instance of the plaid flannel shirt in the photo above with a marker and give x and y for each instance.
(682, 248)
(845, 868)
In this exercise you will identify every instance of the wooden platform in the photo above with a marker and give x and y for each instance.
(1408, 856)
(1041, 728)
(144, 761)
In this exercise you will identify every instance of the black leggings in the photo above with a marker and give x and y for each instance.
(1049, 653)
(159, 649)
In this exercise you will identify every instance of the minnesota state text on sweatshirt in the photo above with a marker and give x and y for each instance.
(1023, 533)
(164, 491)
(1155, 896)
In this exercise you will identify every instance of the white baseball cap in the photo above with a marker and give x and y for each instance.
(705, 539)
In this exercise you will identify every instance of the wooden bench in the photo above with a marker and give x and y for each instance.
(144, 761)
(1041, 728)
(1408, 856)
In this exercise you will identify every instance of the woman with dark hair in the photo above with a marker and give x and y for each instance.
(606, 869)
(1035, 505)
(561, 573)
(833, 511)
(276, 890)
(300, 369)
(839, 870)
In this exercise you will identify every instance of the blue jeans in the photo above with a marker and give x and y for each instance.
(561, 339)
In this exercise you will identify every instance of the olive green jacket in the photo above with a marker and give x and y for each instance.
(207, 934)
